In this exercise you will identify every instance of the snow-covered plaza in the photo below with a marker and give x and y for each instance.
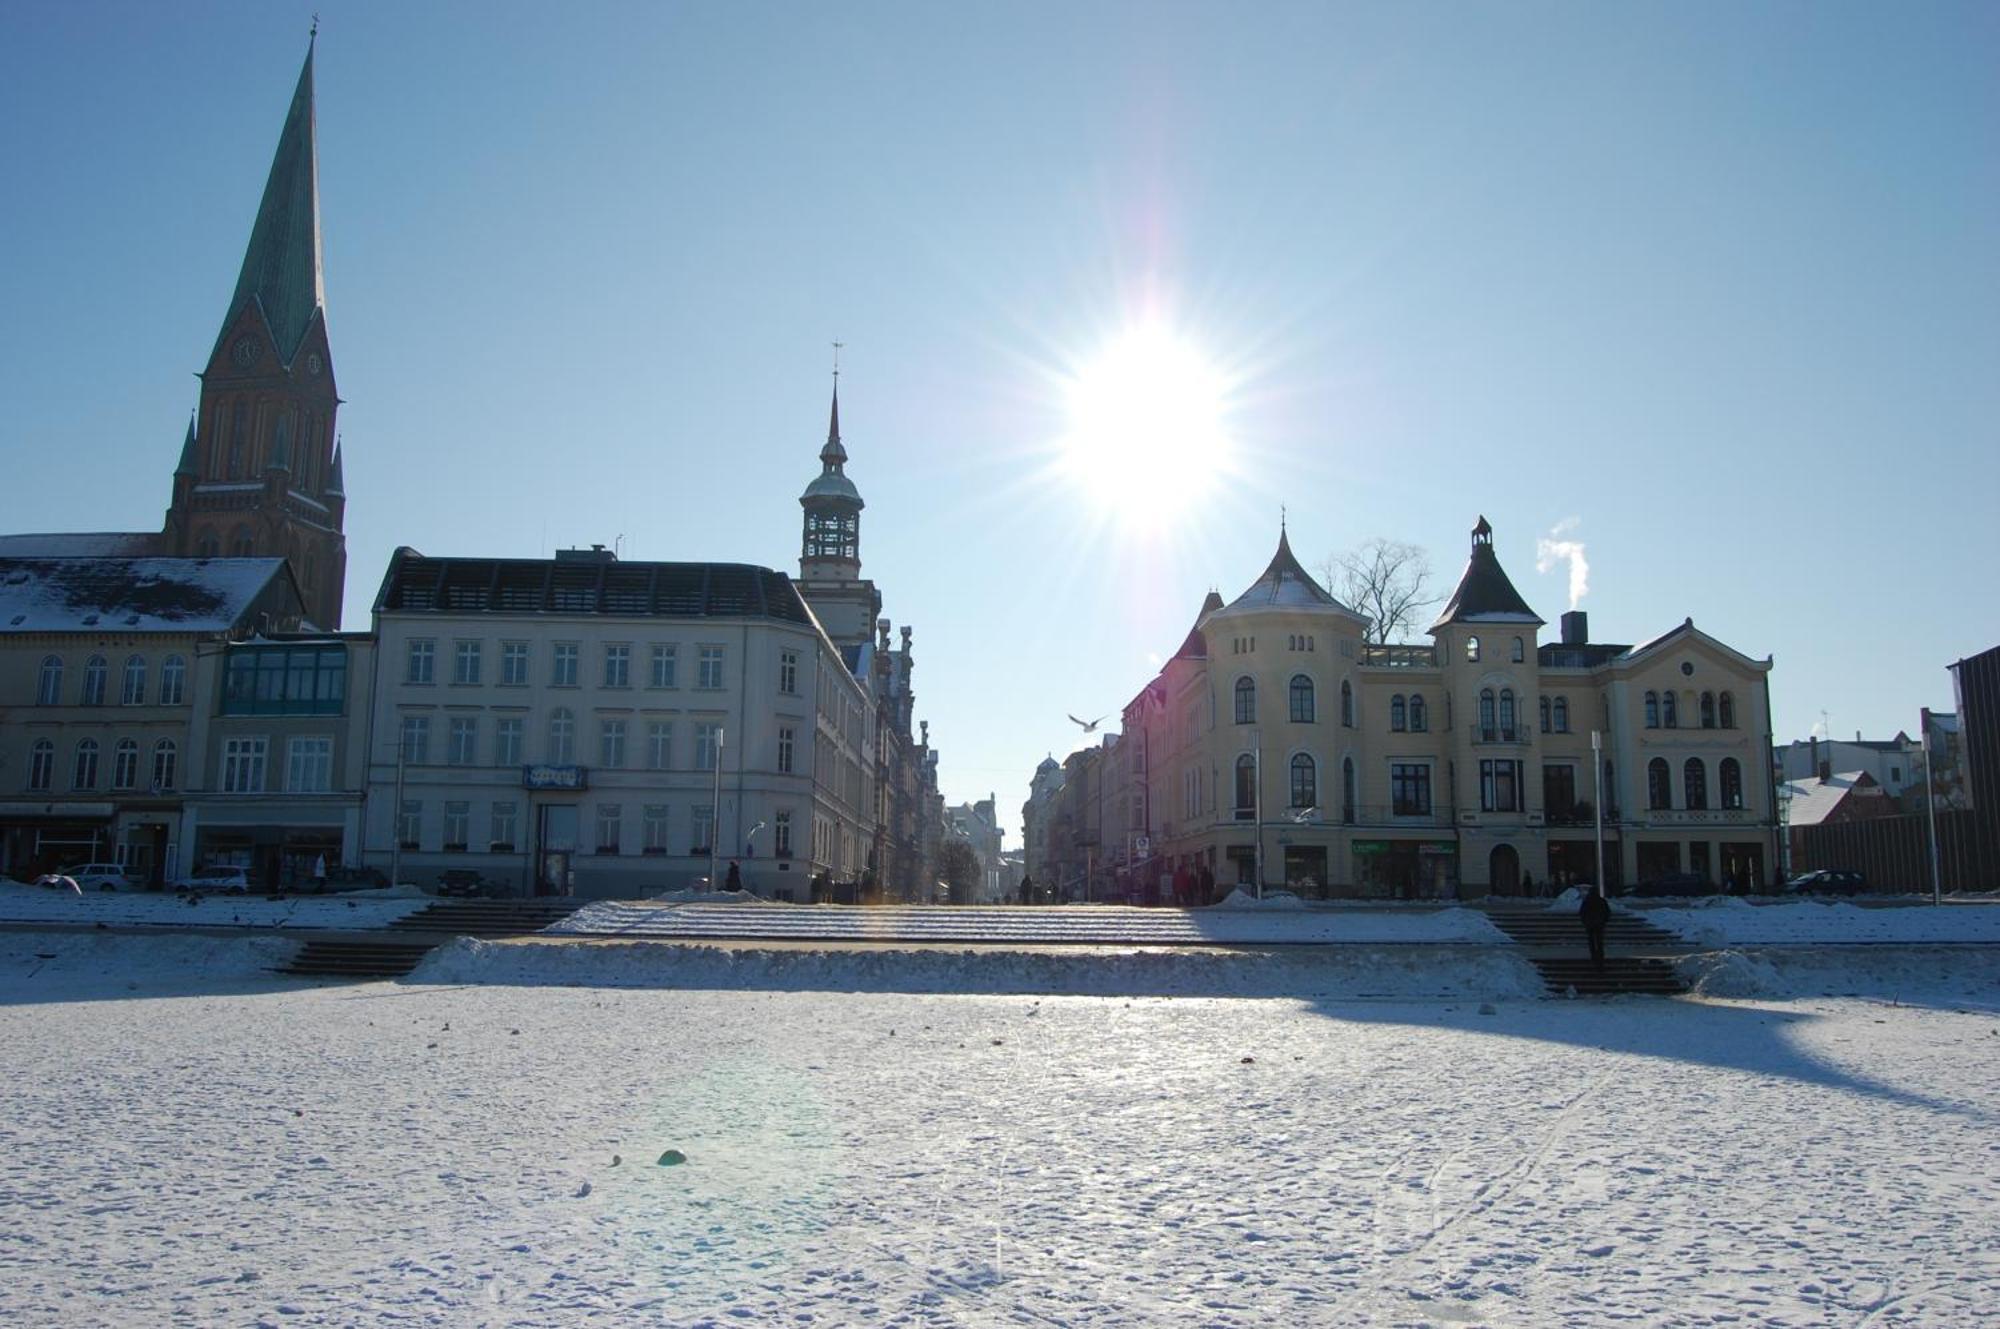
(236, 1149)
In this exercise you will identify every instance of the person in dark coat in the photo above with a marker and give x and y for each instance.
(734, 881)
(1595, 913)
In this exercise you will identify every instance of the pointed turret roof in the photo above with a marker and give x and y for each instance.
(281, 267)
(187, 465)
(1484, 594)
(834, 451)
(1285, 584)
(832, 481)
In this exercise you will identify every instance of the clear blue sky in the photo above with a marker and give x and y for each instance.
(1719, 281)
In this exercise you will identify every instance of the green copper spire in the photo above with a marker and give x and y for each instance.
(281, 268)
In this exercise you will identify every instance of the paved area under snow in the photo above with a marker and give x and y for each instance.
(227, 1149)
(357, 909)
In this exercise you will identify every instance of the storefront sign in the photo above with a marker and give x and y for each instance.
(554, 777)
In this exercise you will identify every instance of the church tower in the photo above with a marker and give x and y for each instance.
(260, 473)
(830, 552)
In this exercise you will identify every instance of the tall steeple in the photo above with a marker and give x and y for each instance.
(846, 603)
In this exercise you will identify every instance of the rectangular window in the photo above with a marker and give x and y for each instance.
(1410, 789)
(134, 691)
(465, 663)
(165, 758)
(309, 765)
(707, 738)
(416, 739)
(656, 828)
(788, 672)
(663, 666)
(611, 744)
(659, 745)
(243, 766)
(709, 671)
(457, 825)
(502, 839)
(1559, 792)
(1499, 786)
(422, 667)
(463, 749)
(785, 751)
(703, 829)
(617, 665)
(562, 666)
(409, 821)
(507, 741)
(273, 680)
(514, 664)
(781, 834)
(609, 830)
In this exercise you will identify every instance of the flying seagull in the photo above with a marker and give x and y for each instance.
(1089, 726)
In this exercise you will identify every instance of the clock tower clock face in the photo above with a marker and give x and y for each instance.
(244, 352)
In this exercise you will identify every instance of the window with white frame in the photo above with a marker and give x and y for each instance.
(703, 829)
(125, 764)
(617, 665)
(653, 819)
(514, 664)
(507, 741)
(48, 691)
(562, 737)
(1419, 722)
(501, 840)
(1305, 782)
(95, 670)
(788, 672)
(243, 765)
(610, 827)
(1499, 785)
(173, 681)
(133, 690)
(562, 664)
(166, 762)
(416, 739)
(706, 738)
(421, 666)
(781, 833)
(41, 764)
(708, 667)
(659, 744)
(785, 749)
(611, 744)
(465, 662)
(409, 822)
(1409, 789)
(309, 764)
(1520, 651)
(664, 659)
(457, 825)
(463, 747)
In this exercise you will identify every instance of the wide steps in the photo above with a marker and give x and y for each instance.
(1642, 975)
(1543, 927)
(488, 918)
(357, 959)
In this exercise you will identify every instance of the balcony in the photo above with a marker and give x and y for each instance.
(1499, 733)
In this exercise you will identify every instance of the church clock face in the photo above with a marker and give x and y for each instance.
(244, 352)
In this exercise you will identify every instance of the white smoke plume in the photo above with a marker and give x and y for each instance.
(1552, 549)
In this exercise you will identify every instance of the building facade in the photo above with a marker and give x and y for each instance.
(1278, 746)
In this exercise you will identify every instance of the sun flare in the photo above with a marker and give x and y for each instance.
(1146, 425)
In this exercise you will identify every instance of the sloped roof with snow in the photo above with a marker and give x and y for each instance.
(132, 594)
(1815, 800)
(86, 544)
(1285, 584)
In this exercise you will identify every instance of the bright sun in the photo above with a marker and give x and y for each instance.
(1145, 425)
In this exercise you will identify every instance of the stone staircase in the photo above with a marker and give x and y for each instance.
(399, 948)
(1638, 955)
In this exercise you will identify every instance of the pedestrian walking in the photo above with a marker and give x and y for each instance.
(1596, 914)
(734, 881)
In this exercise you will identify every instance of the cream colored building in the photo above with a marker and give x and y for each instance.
(1277, 745)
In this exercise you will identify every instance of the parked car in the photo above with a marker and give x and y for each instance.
(218, 880)
(102, 877)
(1676, 883)
(1828, 881)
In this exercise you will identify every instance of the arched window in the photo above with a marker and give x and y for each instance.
(173, 680)
(1302, 699)
(1506, 712)
(1246, 701)
(242, 544)
(1246, 787)
(1728, 711)
(1694, 778)
(1659, 784)
(1305, 782)
(1732, 783)
(1472, 649)
(1347, 790)
(1708, 710)
(42, 764)
(1418, 720)
(1487, 727)
(1562, 715)
(1347, 703)
(125, 765)
(165, 757)
(49, 691)
(133, 693)
(84, 775)
(562, 737)
(1668, 715)
(1520, 651)
(1652, 710)
(1399, 714)
(1545, 715)
(95, 670)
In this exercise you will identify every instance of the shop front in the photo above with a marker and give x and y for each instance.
(1407, 869)
(41, 837)
(284, 844)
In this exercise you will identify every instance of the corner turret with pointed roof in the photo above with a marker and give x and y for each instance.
(1484, 594)
(1284, 584)
(846, 603)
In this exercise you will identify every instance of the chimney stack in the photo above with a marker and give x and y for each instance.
(1576, 628)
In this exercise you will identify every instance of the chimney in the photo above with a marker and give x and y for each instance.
(1576, 628)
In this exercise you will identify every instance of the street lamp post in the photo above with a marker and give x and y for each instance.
(715, 810)
(1597, 805)
(1930, 801)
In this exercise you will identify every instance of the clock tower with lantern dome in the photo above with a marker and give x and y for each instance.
(830, 549)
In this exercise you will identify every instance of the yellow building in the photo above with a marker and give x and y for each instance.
(1279, 745)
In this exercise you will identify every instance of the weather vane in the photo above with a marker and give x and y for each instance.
(836, 359)
(315, 27)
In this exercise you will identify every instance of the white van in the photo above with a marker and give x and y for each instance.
(103, 877)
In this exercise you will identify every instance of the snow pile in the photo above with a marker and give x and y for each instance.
(1242, 899)
(685, 895)
(360, 909)
(82, 964)
(1348, 971)
(1571, 899)
(1727, 921)
(1951, 976)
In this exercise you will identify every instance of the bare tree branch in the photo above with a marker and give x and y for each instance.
(1385, 580)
